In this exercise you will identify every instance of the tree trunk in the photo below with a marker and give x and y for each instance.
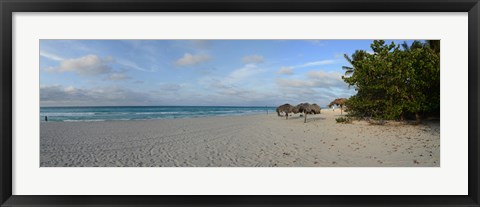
(341, 110)
(305, 121)
(402, 116)
(417, 117)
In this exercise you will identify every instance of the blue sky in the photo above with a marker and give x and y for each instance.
(194, 72)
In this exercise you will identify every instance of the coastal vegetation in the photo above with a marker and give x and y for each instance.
(344, 120)
(395, 81)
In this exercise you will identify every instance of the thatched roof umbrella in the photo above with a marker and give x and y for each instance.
(316, 109)
(339, 102)
(286, 108)
(307, 108)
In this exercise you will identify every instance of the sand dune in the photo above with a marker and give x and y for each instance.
(239, 141)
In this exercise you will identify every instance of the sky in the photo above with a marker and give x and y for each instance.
(194, 72)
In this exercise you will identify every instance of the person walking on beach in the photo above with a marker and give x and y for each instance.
(46, 119)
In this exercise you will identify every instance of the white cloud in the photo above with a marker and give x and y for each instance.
(315, 79)
(172, 87)
(92, 65)
(285, 71)
(118, 76)
(201, 44)
(189, 59)
(253, 59)
(51, 56)
(322, 75)
(87, 65)
(242, 73)
(315, 63)
(316, 86)
(218, 92)
(316, 42)
(58, 95)
(239, 86)
(289, 70)
(295, 83)
(132, 65)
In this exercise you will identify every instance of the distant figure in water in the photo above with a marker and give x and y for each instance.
(46, 118)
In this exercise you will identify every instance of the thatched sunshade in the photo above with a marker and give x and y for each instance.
(307, 108)
(285, 108)
(316, 109)
(338, 102)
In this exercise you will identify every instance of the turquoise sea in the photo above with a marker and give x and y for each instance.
(103, 113)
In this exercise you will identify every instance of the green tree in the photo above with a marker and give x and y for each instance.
(395, 81)
(356, 57)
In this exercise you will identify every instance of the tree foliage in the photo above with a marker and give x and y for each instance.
(395, 81)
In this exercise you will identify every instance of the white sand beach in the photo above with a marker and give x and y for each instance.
(240, 141)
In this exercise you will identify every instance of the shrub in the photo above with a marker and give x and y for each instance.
(394, 83)
(343, 120)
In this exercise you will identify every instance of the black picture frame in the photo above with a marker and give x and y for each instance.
(7, 7)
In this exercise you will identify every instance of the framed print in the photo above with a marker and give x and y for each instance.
(262, 103)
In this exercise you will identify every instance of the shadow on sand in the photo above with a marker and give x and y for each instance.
(309, 118)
